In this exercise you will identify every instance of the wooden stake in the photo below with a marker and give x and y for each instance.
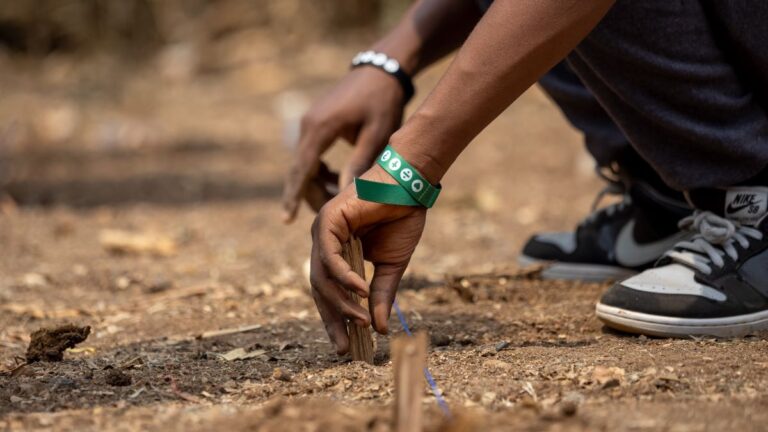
(360, 338)
(409, 357)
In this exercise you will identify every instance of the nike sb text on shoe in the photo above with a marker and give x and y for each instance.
(614, 242)
(715, 283)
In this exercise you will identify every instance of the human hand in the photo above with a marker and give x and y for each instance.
(365, 108)
(389, 236)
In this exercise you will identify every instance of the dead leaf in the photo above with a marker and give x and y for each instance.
(126, 242)
(241, 354)
(610, 376)
(88, 350)
(40, 313)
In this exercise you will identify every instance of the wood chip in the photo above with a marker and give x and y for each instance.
(241, 354)
(126, 242)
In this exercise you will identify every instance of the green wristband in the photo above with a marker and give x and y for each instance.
(409, 178)
(384, 193)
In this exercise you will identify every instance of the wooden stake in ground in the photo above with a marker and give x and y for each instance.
(409, 357)
(360, 338)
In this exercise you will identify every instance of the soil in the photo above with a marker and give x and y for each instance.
(509, 351)
(49, 344)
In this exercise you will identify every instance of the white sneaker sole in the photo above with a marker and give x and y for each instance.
(657, 325)
(574, 271)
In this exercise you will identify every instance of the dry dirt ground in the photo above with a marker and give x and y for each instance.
(511, 353)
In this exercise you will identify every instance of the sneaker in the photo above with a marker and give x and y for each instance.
(715, 283)
(614, 242)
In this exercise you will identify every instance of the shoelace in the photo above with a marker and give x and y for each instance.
(714, 239)
(614, 187)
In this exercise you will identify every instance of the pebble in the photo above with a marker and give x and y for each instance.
(502, 345)
(117, 378)
(440, 339)
(282, 374)
(62, 382)
(569, 408)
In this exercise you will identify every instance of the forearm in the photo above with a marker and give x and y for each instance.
(430, 30)
(514, 44)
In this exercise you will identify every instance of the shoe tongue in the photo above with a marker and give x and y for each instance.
(747, 205)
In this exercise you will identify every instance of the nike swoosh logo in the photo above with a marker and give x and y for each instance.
(733, 209)
(631, 254)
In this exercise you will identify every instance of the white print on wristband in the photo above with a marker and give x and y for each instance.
(395, 164)
(386, 155)
(417, 185)
(406, 174)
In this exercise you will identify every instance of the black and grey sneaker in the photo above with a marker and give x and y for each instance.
(715, 283)
(614, 242)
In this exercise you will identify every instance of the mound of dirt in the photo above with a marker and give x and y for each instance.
(48, 344)
(117, 378)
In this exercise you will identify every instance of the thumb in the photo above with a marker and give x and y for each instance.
(383, 289)
(371, 139)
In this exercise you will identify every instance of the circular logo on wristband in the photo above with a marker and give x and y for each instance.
(406, 174)
(386, 155)
(417, 185)
(394, 164)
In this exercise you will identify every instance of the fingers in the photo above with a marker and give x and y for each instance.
(331, 277)
(321, 188)
(386, 279)
(333, 264)
(333, 322)
(315, 139)
(372, 138)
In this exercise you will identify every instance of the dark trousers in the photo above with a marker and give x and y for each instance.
(685, 82)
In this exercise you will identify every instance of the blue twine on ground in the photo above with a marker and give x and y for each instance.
(430, 380)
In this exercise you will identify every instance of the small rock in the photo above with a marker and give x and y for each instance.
(49, 344)
(466, 341)
(497, 364)
(487, 352)
(282, 374)
(158, 285)
(118, 378)
(568, 408)
(440, 339)
(488, 398)
(16, 399)
(570, 403)
(123, 282)
(62, 382)
(32, 280)
(502, 345)
(605, 376)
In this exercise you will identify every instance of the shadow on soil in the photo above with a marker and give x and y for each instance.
(175, 176)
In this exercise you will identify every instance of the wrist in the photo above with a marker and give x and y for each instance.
(402, 49)
(420, 156)
(388, 65)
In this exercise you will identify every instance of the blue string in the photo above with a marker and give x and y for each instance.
(430, 380)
